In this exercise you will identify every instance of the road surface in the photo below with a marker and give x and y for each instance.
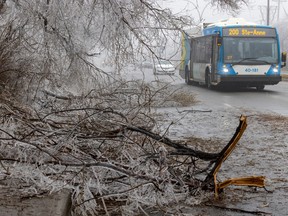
(273, 99)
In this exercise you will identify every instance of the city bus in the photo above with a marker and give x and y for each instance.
(232, 52)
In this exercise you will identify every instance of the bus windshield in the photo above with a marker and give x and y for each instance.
(248, 50)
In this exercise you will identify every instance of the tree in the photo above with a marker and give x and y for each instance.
(58, 42)
(283, 33)
(73, 125)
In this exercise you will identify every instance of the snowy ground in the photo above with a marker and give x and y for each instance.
(262, 151)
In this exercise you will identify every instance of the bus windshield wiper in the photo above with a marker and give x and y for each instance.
(254, 59)
(244, 59)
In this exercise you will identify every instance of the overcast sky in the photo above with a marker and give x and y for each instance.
(256, 11)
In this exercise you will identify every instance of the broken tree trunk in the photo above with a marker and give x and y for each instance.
(257, 181)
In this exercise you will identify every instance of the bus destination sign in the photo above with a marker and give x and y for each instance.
(249, 32)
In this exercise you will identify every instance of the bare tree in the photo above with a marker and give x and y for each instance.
(229, 4)
(283, 33)
(81, 127)
(59, 38)
(61, 43)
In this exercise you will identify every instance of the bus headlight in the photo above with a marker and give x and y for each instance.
(225, 69)
(275, 70)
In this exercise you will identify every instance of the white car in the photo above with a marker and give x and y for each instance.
(164, 67)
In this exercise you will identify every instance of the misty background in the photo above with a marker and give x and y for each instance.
(207, 12)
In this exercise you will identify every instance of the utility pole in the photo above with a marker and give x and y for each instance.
(268, 12)
(278, 7)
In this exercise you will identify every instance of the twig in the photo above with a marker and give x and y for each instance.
(194, 111)
(239, 210)
(56, 96)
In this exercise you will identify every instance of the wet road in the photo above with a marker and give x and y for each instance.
(272, 99)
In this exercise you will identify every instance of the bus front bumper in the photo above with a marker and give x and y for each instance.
(249, 80)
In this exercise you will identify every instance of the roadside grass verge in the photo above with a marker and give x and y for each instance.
(284, 77)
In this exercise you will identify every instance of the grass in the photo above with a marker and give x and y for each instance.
(276, 119)
(284, 77)
(184, 98)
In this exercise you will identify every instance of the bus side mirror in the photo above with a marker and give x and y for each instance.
(219, 41)
(283, 59)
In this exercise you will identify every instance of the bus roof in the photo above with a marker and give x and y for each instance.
(196, 30)
(216, 28)
(232, 22)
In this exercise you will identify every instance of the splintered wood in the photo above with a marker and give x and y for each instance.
(257, 181)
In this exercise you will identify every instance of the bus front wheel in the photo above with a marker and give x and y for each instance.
(208, 80)
(187, 77)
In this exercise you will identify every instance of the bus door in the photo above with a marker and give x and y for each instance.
(192, 57)
(214, 58)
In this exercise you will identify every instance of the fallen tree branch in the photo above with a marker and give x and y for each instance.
(95, 123)
(226, 151)
(181, 149)
(56, 96)
(193, 111)
(257, 181)
(239, 210)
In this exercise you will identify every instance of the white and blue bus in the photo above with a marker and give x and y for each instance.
(232, 52)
